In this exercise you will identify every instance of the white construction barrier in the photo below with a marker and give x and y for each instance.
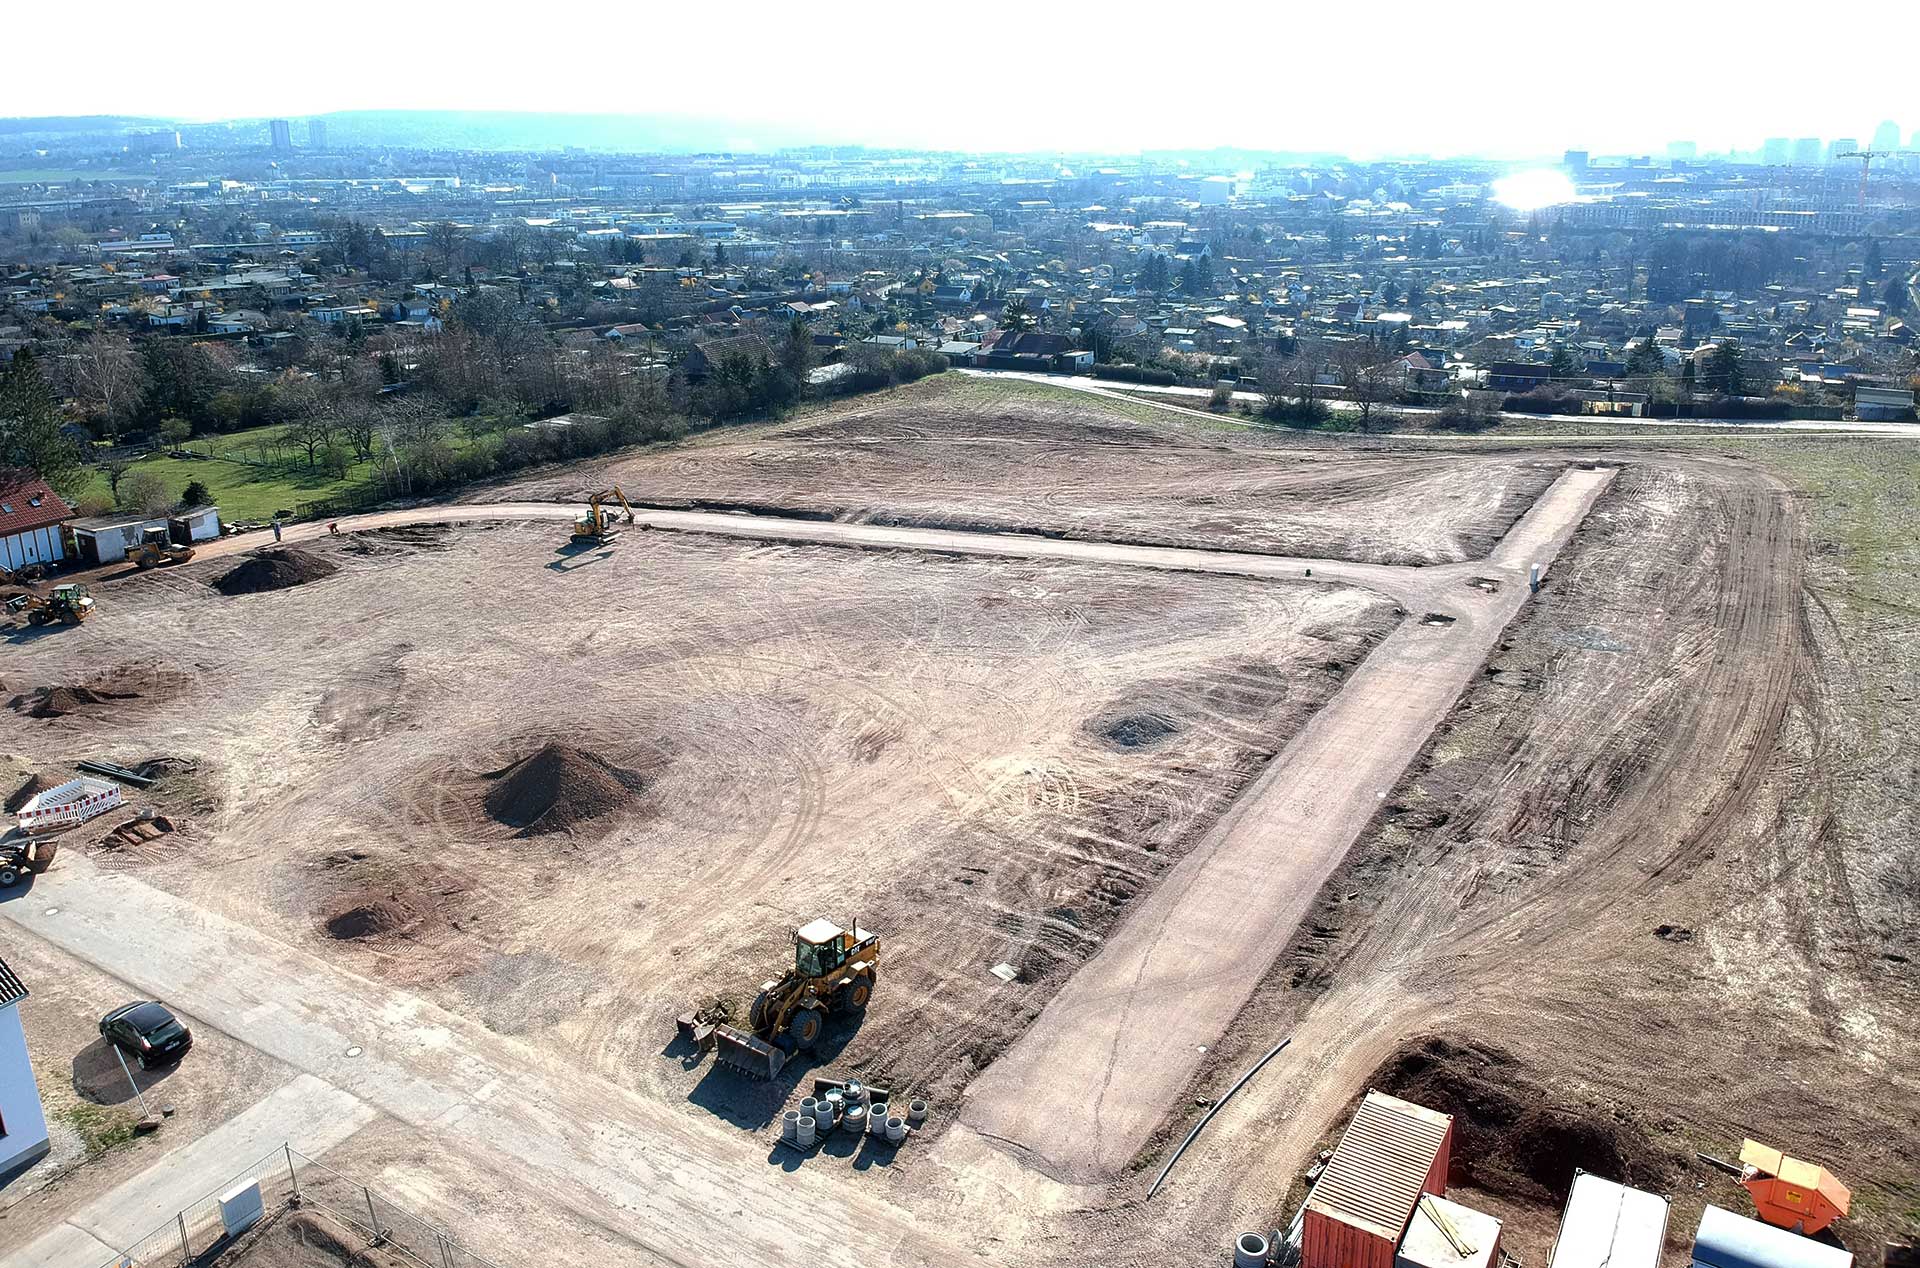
(64, 805)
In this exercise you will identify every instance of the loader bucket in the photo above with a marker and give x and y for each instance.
(755, 1058)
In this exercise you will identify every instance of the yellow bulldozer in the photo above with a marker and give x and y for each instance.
(158, 548)
(597, 526)
(833, 974)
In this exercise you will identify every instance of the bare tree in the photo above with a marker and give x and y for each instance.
(106, 372)
(313, 431)
(1368, 379)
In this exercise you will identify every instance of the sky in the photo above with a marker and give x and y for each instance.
(1385, 77)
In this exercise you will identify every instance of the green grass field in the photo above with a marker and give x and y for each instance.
(49, 175)
(267, 482)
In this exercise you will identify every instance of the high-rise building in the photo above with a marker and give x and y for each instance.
(1806, 152)
(1887, 135)
(316, 134)
(1575, 161)
(1776, 151)
(282, 133)
(1842, 145)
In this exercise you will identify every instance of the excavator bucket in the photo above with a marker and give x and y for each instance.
(751, 1056)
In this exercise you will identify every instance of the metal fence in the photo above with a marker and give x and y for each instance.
(196, 1236)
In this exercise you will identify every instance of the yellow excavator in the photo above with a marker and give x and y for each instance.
(158, 548)
(598, 524)
(833, 974)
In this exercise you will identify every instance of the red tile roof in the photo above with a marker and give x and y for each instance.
(27, 503)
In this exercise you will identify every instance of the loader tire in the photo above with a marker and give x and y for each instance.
(9, 877)
(758, 1016)
(854, 995)
(805, 1027)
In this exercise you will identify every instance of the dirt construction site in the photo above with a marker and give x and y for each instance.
(1145, 742)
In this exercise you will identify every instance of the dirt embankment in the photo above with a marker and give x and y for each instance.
(102, 695)
(1511, 1135)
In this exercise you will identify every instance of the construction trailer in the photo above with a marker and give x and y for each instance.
(1444, 1234)
(1726, 1240)
(1364, 1201)
(1608, 1225)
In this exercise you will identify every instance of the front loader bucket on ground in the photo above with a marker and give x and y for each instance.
(753, 1057)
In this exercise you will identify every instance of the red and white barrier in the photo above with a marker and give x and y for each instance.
(64, 805)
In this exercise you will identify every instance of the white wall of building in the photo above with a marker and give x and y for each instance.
(36, 546)
(23, 1124)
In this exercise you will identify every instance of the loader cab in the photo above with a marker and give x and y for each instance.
(819, 948)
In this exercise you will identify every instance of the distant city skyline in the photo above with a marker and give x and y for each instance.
(1494, 80)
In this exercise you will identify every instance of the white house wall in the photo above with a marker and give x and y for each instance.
(37, 546)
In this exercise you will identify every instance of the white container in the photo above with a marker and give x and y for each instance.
(241, 1207)
(896, 1130)
(804, 1132)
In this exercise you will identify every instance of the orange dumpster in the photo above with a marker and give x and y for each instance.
(1789, 1193)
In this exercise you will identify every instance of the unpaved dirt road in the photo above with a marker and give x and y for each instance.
(1085, 1086)
(1395, 581)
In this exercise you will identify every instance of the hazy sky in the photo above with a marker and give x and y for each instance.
(1379, 77)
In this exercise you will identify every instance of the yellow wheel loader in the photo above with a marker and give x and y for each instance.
(68, 604)
(833, 975)
(158, 548)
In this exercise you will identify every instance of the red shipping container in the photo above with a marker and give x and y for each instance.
(1391, 1153)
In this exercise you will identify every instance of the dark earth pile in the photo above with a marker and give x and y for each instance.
(373, 918)
(273, 570)
(27, 791)
(1510, 1135)
(557, 787)
(1138, 730)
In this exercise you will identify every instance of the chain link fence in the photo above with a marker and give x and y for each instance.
(197, 1235)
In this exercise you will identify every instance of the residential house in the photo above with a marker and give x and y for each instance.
(1031, 350)
(30, 517)
(23, 1122)
(703, 357)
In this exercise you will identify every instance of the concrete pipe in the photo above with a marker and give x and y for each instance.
(916, 1111)
(1250, 1251)
(896, 1130)
(790, 1126)
(877, 1120)
(804, 1132)
(856, 1119)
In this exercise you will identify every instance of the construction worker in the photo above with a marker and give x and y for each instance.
(276, 528)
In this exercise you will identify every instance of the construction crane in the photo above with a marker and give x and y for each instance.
(1866, 158)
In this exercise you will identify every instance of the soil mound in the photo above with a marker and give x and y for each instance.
(1138, 730)
(274, 570)
(33, 787)
(110, 689)
(1512, 1136)
(557, 787)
